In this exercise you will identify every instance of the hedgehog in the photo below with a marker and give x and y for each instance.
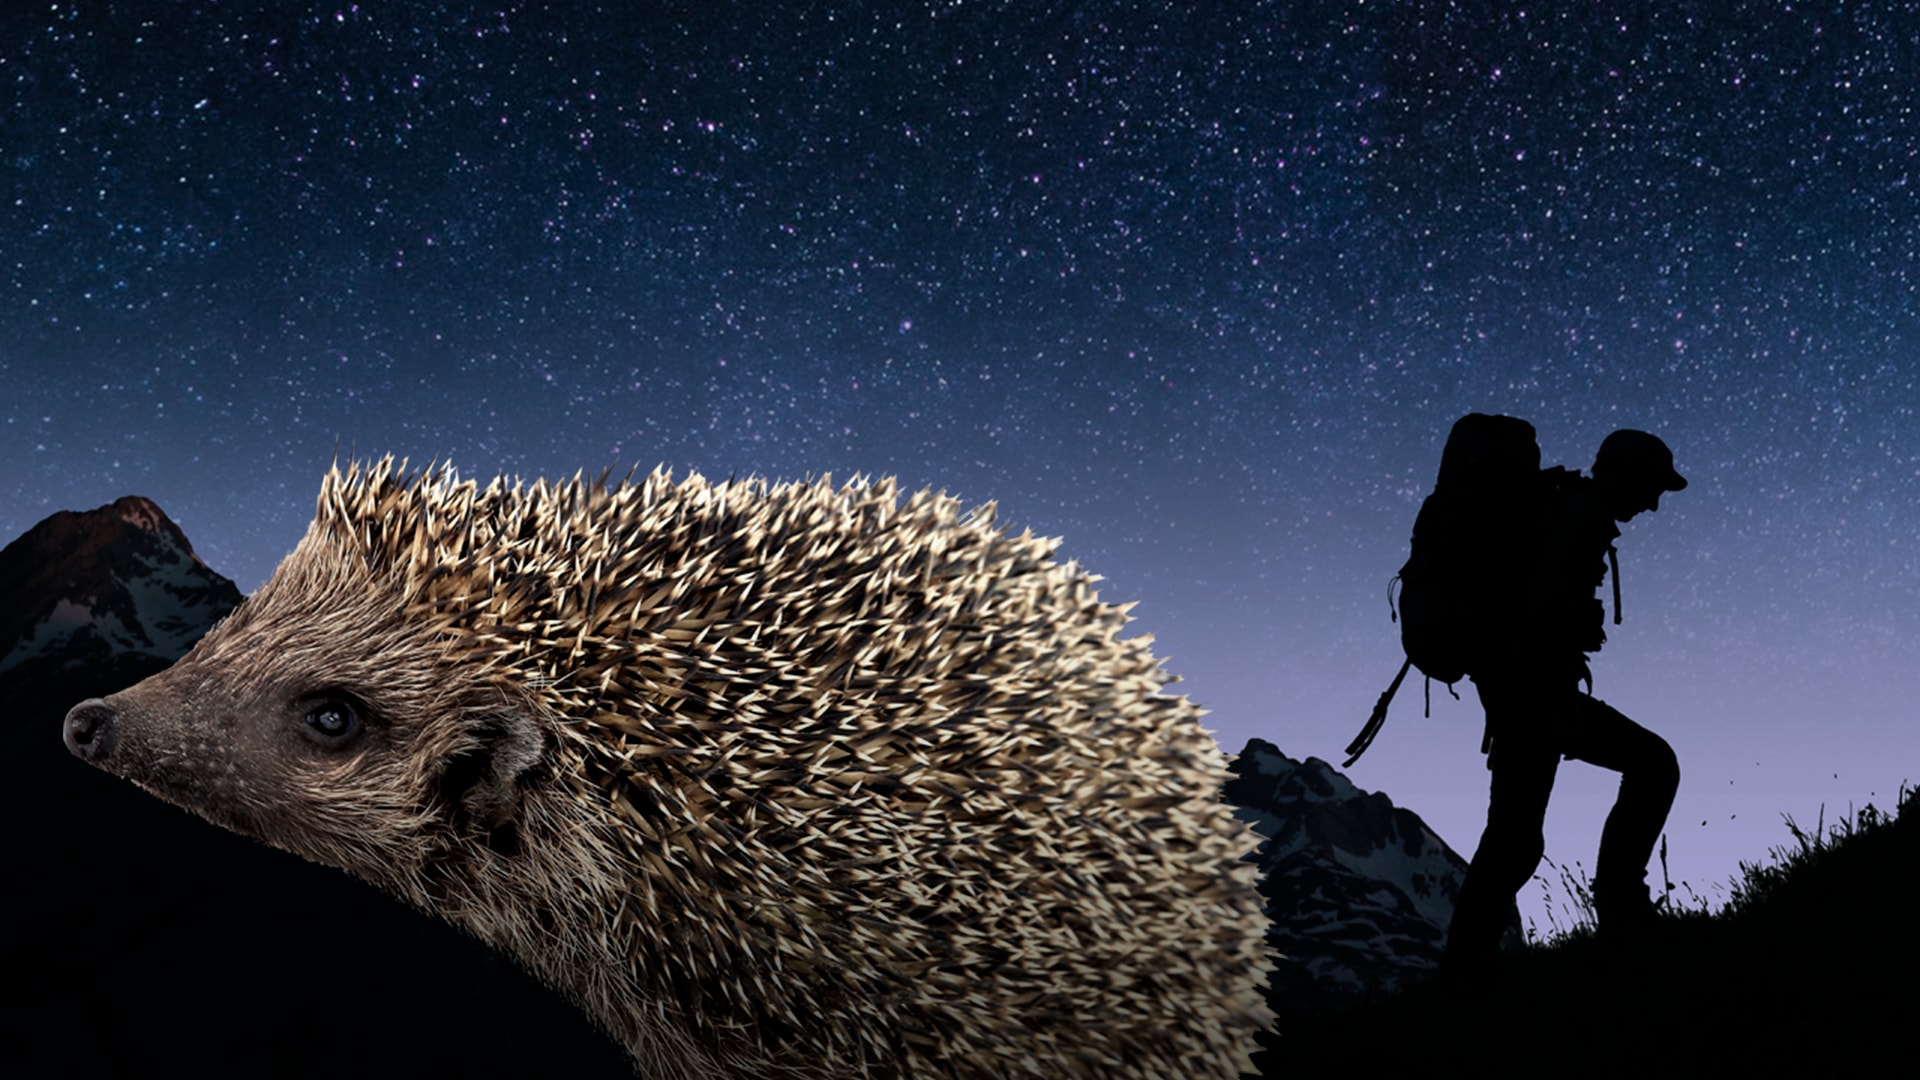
(770, 779)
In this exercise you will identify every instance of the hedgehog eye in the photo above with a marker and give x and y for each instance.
(333, 722)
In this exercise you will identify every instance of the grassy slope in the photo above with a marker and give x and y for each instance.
(1812, 968)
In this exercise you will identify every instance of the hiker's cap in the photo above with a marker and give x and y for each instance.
(1636, 453)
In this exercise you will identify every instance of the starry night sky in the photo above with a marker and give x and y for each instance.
(1199, 290)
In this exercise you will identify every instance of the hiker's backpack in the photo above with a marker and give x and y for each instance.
(1474, 541)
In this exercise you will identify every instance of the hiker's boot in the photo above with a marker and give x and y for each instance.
(1625, 914)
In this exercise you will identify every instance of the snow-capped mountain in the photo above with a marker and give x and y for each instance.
(1360, 891)
(114, 585)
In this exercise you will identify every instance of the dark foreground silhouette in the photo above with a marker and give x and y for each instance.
(1500, 587)
(1807, 971)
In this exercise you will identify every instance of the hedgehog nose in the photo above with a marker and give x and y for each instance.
(89, 730)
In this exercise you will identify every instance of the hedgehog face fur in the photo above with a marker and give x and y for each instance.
(780, 781)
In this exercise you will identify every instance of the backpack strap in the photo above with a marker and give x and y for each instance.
(1365, 739)
(1613, 564)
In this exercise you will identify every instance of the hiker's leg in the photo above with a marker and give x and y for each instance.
(1510, 847)
(1649, 777)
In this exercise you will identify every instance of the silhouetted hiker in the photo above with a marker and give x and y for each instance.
(1529, 680)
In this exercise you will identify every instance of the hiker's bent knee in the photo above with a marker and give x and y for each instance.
(1661, 768)
(1516, 851)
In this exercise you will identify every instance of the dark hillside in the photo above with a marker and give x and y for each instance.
(1809, 970)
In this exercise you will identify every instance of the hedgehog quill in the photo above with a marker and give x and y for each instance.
(772, 780)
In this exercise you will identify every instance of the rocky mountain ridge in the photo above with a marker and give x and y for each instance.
(105, 586)
(1360, 891)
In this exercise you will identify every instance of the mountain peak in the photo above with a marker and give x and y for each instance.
(1320, 778)
(117, 581)
(1360, 891)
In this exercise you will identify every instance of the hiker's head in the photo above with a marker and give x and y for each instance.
(1633, 470)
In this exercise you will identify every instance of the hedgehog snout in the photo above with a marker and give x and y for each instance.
(89, 730)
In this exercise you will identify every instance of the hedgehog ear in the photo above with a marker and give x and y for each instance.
(484, 780)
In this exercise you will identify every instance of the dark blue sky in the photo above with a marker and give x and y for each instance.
(1198, 293)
